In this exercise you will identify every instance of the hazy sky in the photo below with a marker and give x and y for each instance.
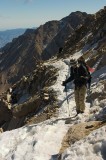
(32, 13)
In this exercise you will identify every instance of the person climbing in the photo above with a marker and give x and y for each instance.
(59, 53)
(60, 49)
(80, 76)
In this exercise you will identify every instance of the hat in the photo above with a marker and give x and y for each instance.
(73, 62)
(81, 58)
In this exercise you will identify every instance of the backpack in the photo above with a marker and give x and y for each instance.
(89, 71)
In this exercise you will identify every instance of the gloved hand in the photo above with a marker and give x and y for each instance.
(63, 84)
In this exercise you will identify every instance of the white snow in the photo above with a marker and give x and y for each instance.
(41, 141)
(37, 142)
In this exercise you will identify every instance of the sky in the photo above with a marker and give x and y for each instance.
(41, 141)
(32, 13)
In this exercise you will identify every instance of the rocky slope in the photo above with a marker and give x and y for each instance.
(20, 57)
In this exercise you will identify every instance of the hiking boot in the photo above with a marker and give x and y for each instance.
(81, 112)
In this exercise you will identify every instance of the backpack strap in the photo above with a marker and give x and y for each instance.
(88, 75)
(86, 70)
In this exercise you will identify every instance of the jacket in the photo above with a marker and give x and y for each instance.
(80, 76)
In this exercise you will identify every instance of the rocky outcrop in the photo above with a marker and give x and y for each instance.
(5, 113)
(79, 131)
(98, 95)
(29, 96)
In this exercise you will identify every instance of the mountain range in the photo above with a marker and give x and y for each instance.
(8, 35)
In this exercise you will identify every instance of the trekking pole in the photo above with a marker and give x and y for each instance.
(67, 99)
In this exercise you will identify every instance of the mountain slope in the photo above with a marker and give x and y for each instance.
(20, 56)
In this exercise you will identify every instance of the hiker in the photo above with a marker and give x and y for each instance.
(60, 51)
(80, 76)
